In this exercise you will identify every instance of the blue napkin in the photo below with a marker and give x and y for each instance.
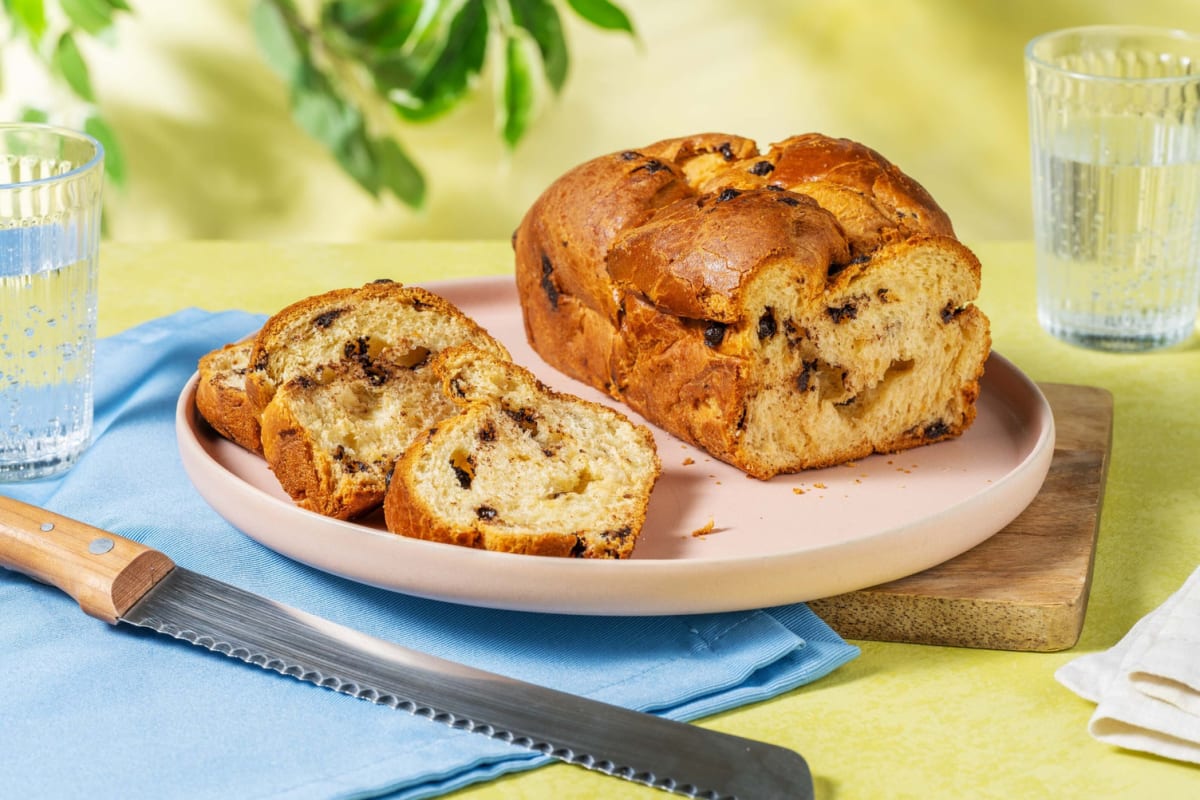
(90, 710)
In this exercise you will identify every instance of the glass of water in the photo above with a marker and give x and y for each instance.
(1114, 123)
(50, 197)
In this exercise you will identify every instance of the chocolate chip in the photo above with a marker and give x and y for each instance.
(464, 477)
(936, 430)
(838, 314)
(950, 311)
(793, 334)
(526, 419)
(766, 324)
(487, 433)
(620, 534)
(325, 319)
(630, 155)
(726, 151)
(652, 166)
(376, 376)
(788, 200)
(486, 513)
(804, 379)
(761, 168)
(714, 334)
(727, 194)
(548, 282)
(882, 294)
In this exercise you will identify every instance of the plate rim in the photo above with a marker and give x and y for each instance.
(636, 587)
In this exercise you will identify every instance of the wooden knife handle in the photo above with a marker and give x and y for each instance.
(104, 573)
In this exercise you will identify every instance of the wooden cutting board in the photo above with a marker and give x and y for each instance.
(1025, 588)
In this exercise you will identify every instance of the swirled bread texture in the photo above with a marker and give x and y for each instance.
(521, 468)
(343, 385)
(784, 310)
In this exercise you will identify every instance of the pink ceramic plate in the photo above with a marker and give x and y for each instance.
(714, 540)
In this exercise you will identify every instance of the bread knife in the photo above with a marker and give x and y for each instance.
(118, 580)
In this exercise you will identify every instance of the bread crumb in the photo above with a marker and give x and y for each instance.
(820, 486)
(797, 490)
(687, 462)
(706, 528)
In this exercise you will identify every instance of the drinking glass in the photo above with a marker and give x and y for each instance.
(50, 196)
(1114, 116)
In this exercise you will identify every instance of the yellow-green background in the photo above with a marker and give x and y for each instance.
(936, 85)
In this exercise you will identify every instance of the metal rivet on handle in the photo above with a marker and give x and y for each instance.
(100, 546)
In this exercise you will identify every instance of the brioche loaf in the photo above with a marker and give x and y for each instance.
(783, 310)
(521, 468)
(221, 395)
(343, 385)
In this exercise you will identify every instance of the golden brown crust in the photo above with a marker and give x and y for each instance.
(692, 258)
(805, 283)
(221, 396)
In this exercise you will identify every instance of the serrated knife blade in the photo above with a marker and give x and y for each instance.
(119, 580)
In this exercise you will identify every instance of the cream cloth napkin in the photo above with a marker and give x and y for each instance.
(1147, 686)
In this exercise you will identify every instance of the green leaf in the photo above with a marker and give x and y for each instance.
(114, 159)
(397, 172)
(119, 5)
(324, 115)
(602, 14)
(92, 16)
(371, 24)
(449, 78)
(68, 62)
(34, 115)
(540, 18)
(428, 39)
(356, 157)
(30, 14)
(280, 45)
(519, 90)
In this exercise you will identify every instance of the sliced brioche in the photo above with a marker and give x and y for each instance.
(347, 385)
(221, 395)
(383, 322)
(523, 469)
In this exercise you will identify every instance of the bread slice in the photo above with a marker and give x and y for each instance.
(523, 469)
(221, 395)
(347, 385)
(383, 322)
(784, 310)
